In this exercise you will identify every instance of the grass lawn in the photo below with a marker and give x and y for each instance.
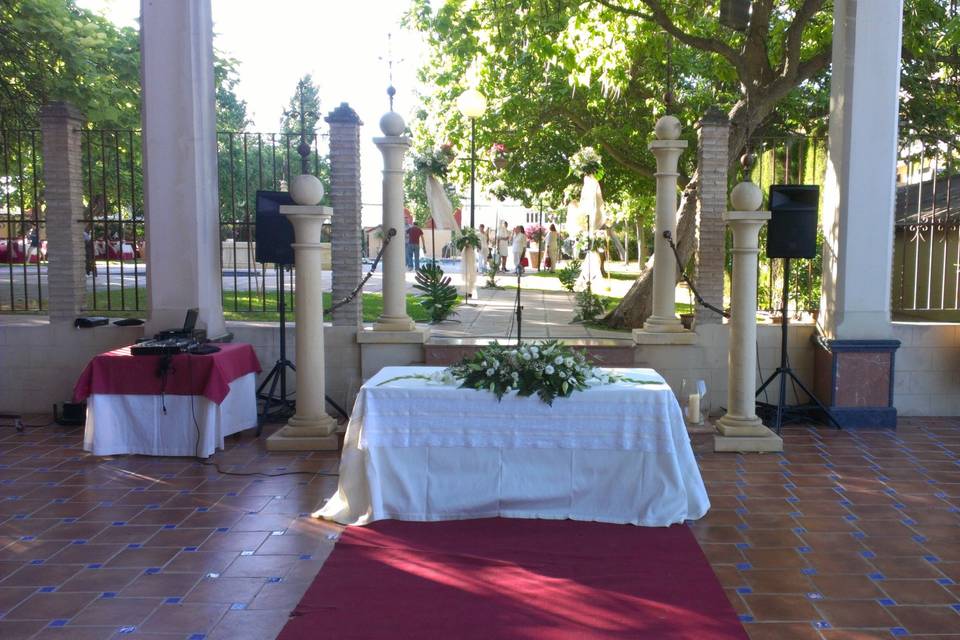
(246, 306)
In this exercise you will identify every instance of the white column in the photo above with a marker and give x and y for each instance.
(393, 146)
(180, 164)
(310, 428)
(667, 149)
(740, 428)
(859, 192)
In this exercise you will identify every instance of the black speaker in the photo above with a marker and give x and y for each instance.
(792, 231)
(274, 232)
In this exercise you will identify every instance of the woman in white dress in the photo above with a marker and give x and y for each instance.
(519, 248)
(553, 247)
(503, 245)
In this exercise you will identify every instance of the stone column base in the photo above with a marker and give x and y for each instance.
(770, 442)
(729, 425)
(656, 324)
(745, 435)
(306, 435)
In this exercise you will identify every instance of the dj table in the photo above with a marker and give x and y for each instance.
(177, 405)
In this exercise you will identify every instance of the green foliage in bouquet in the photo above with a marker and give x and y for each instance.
(434, 163)
(439, 297)
(569, 273)
(586, 162)
(467, 237)
(546, 368)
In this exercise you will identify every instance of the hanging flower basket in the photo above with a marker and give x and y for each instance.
(498, 155)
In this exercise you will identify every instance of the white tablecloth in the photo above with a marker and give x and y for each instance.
(418, 450)
(128, 423)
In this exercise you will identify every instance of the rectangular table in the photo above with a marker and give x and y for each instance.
(419, 450)
(133, 409)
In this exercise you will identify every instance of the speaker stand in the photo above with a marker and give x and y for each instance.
(784, 371)
(279, 406)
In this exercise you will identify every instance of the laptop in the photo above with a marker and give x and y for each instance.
(189, 324)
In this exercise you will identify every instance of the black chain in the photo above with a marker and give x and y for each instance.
(353, 294)
(686, 278)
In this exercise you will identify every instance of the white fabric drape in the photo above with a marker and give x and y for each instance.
(591, 202)
(440, 208)
(469, 261)
(152, 425)
(418, 450)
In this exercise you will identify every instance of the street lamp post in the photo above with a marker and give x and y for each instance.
(472, 104)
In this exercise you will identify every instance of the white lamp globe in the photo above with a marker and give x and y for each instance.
(471, 103)
(306, 190)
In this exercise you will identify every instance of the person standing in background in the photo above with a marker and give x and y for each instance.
(553, 247)
(503, 244)
(519, 248)
(414, 244)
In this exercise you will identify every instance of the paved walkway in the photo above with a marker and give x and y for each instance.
(546, 314)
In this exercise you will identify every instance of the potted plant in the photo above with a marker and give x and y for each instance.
(535, 235)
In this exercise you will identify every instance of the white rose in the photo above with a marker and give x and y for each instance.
(558, 360)
(548, 370)
(490, 371)
(514, 375)
(569, 362)
(526, 356)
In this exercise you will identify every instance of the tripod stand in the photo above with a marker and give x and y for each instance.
(284, 406)
(784, 370)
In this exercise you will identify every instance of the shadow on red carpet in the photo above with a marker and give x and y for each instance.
(524, 579)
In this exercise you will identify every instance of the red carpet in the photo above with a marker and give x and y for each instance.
(508, 578)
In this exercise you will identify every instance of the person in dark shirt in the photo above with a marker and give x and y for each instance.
(414, 244)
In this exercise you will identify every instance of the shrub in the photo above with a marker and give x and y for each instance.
(568, 275)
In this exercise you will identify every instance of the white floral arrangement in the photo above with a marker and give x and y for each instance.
(545, 368)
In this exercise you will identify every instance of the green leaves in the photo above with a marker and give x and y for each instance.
(439, 297)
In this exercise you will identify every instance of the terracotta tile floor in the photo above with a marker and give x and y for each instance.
(849, 535)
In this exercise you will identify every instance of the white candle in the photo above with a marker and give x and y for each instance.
(693, 408)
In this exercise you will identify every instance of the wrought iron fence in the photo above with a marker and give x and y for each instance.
(248, 162)
(114, 238)
(23, 227)
(926, 257)
(788, 160)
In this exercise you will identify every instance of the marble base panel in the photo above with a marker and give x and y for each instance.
(854, 379)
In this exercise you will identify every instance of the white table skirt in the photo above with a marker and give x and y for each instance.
(422, 451)
(136, 424)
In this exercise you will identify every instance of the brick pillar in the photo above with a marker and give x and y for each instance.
(345, 198)
(60, 123)
(712, 162)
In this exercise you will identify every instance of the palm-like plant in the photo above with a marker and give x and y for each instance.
(438, 296)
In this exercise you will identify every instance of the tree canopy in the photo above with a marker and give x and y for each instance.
(53, 50)
(562, 74)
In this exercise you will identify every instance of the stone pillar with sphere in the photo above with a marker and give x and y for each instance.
(740, 429)
(667, 149)
(393, 145)
(310, 428)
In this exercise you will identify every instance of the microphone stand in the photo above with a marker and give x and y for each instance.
(518, 308)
